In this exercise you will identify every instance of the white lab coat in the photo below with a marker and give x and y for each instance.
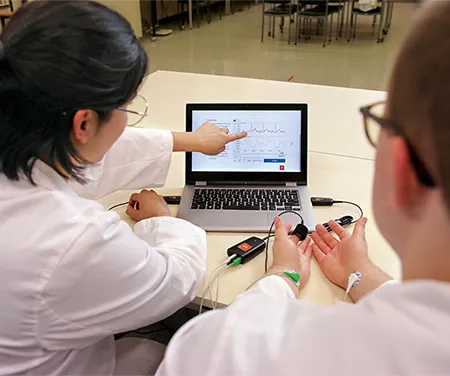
(72, 274)
(400, 329)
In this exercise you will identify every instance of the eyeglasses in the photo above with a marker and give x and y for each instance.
(374, 121)
(137, 109)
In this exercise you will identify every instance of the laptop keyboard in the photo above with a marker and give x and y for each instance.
(245, 199)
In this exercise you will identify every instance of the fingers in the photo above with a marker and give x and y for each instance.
(339, 230)
(288, 226)
(320, 243)
(303, 246)
(133, 202)
(225, 130)
(308, 252)
(329, 239)
(131, 212)
(133, 199)
(133, 205)
(147, 204)
(281, 230)
(235, 136)
(295, 239)
(318, 254)
(360, 228)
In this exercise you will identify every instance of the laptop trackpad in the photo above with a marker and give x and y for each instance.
(244, 218)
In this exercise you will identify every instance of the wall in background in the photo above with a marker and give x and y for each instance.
(130, 9)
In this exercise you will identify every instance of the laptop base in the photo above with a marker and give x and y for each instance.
(244, 220)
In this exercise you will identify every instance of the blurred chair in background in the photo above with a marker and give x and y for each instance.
(6, 12)
(373, 8)
(322, 11)
(198, 5)
(281, 9)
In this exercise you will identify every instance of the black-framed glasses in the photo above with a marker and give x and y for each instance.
(137, 109)
(374, 121)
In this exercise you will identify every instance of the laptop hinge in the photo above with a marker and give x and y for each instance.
(200, 183)
(291, 184)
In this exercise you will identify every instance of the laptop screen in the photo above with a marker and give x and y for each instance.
(273, 143)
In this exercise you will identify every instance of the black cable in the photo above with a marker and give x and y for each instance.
(152, 331)
(354, 204)
(118, 206)
(118, 336)
(269, 234)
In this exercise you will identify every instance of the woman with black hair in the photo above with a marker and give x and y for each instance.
(71, 273)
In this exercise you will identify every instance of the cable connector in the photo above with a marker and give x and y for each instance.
(353, 279)
(346, 220)
(236, 261)
(294, 276)
(247, 249)
(322, 201)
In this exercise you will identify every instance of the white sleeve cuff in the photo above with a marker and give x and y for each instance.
(389, 283)
(166, 230)
(274, 286)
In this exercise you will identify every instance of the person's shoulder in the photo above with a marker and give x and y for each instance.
(40, 228)
(410, 300)
(42, 222)
(381, 334)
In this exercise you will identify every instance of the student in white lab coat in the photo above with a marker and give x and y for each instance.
(394, 328)
(72, 274)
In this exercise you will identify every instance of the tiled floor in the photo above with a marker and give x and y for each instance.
(232, 47)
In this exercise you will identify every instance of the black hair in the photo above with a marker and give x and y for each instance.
(60, 57)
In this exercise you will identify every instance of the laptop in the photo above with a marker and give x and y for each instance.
(243, 188)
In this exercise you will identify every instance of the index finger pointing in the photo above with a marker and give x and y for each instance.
(236, 136)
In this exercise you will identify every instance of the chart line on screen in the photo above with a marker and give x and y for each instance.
(272, 143)
(262, 145)
(275, 129)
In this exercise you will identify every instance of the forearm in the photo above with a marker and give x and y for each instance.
(372, 277)
(184, 141)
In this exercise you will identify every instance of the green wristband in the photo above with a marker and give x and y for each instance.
(293, 275)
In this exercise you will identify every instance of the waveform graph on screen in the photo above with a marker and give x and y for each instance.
(259, 147)
(264, 140)
(251, 145)
(262, 128)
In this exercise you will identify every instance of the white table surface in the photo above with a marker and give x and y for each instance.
(334, 122)
(347, 176)
(333, 176)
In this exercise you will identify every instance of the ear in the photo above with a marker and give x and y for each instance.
(406, 186)
(84, 126)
